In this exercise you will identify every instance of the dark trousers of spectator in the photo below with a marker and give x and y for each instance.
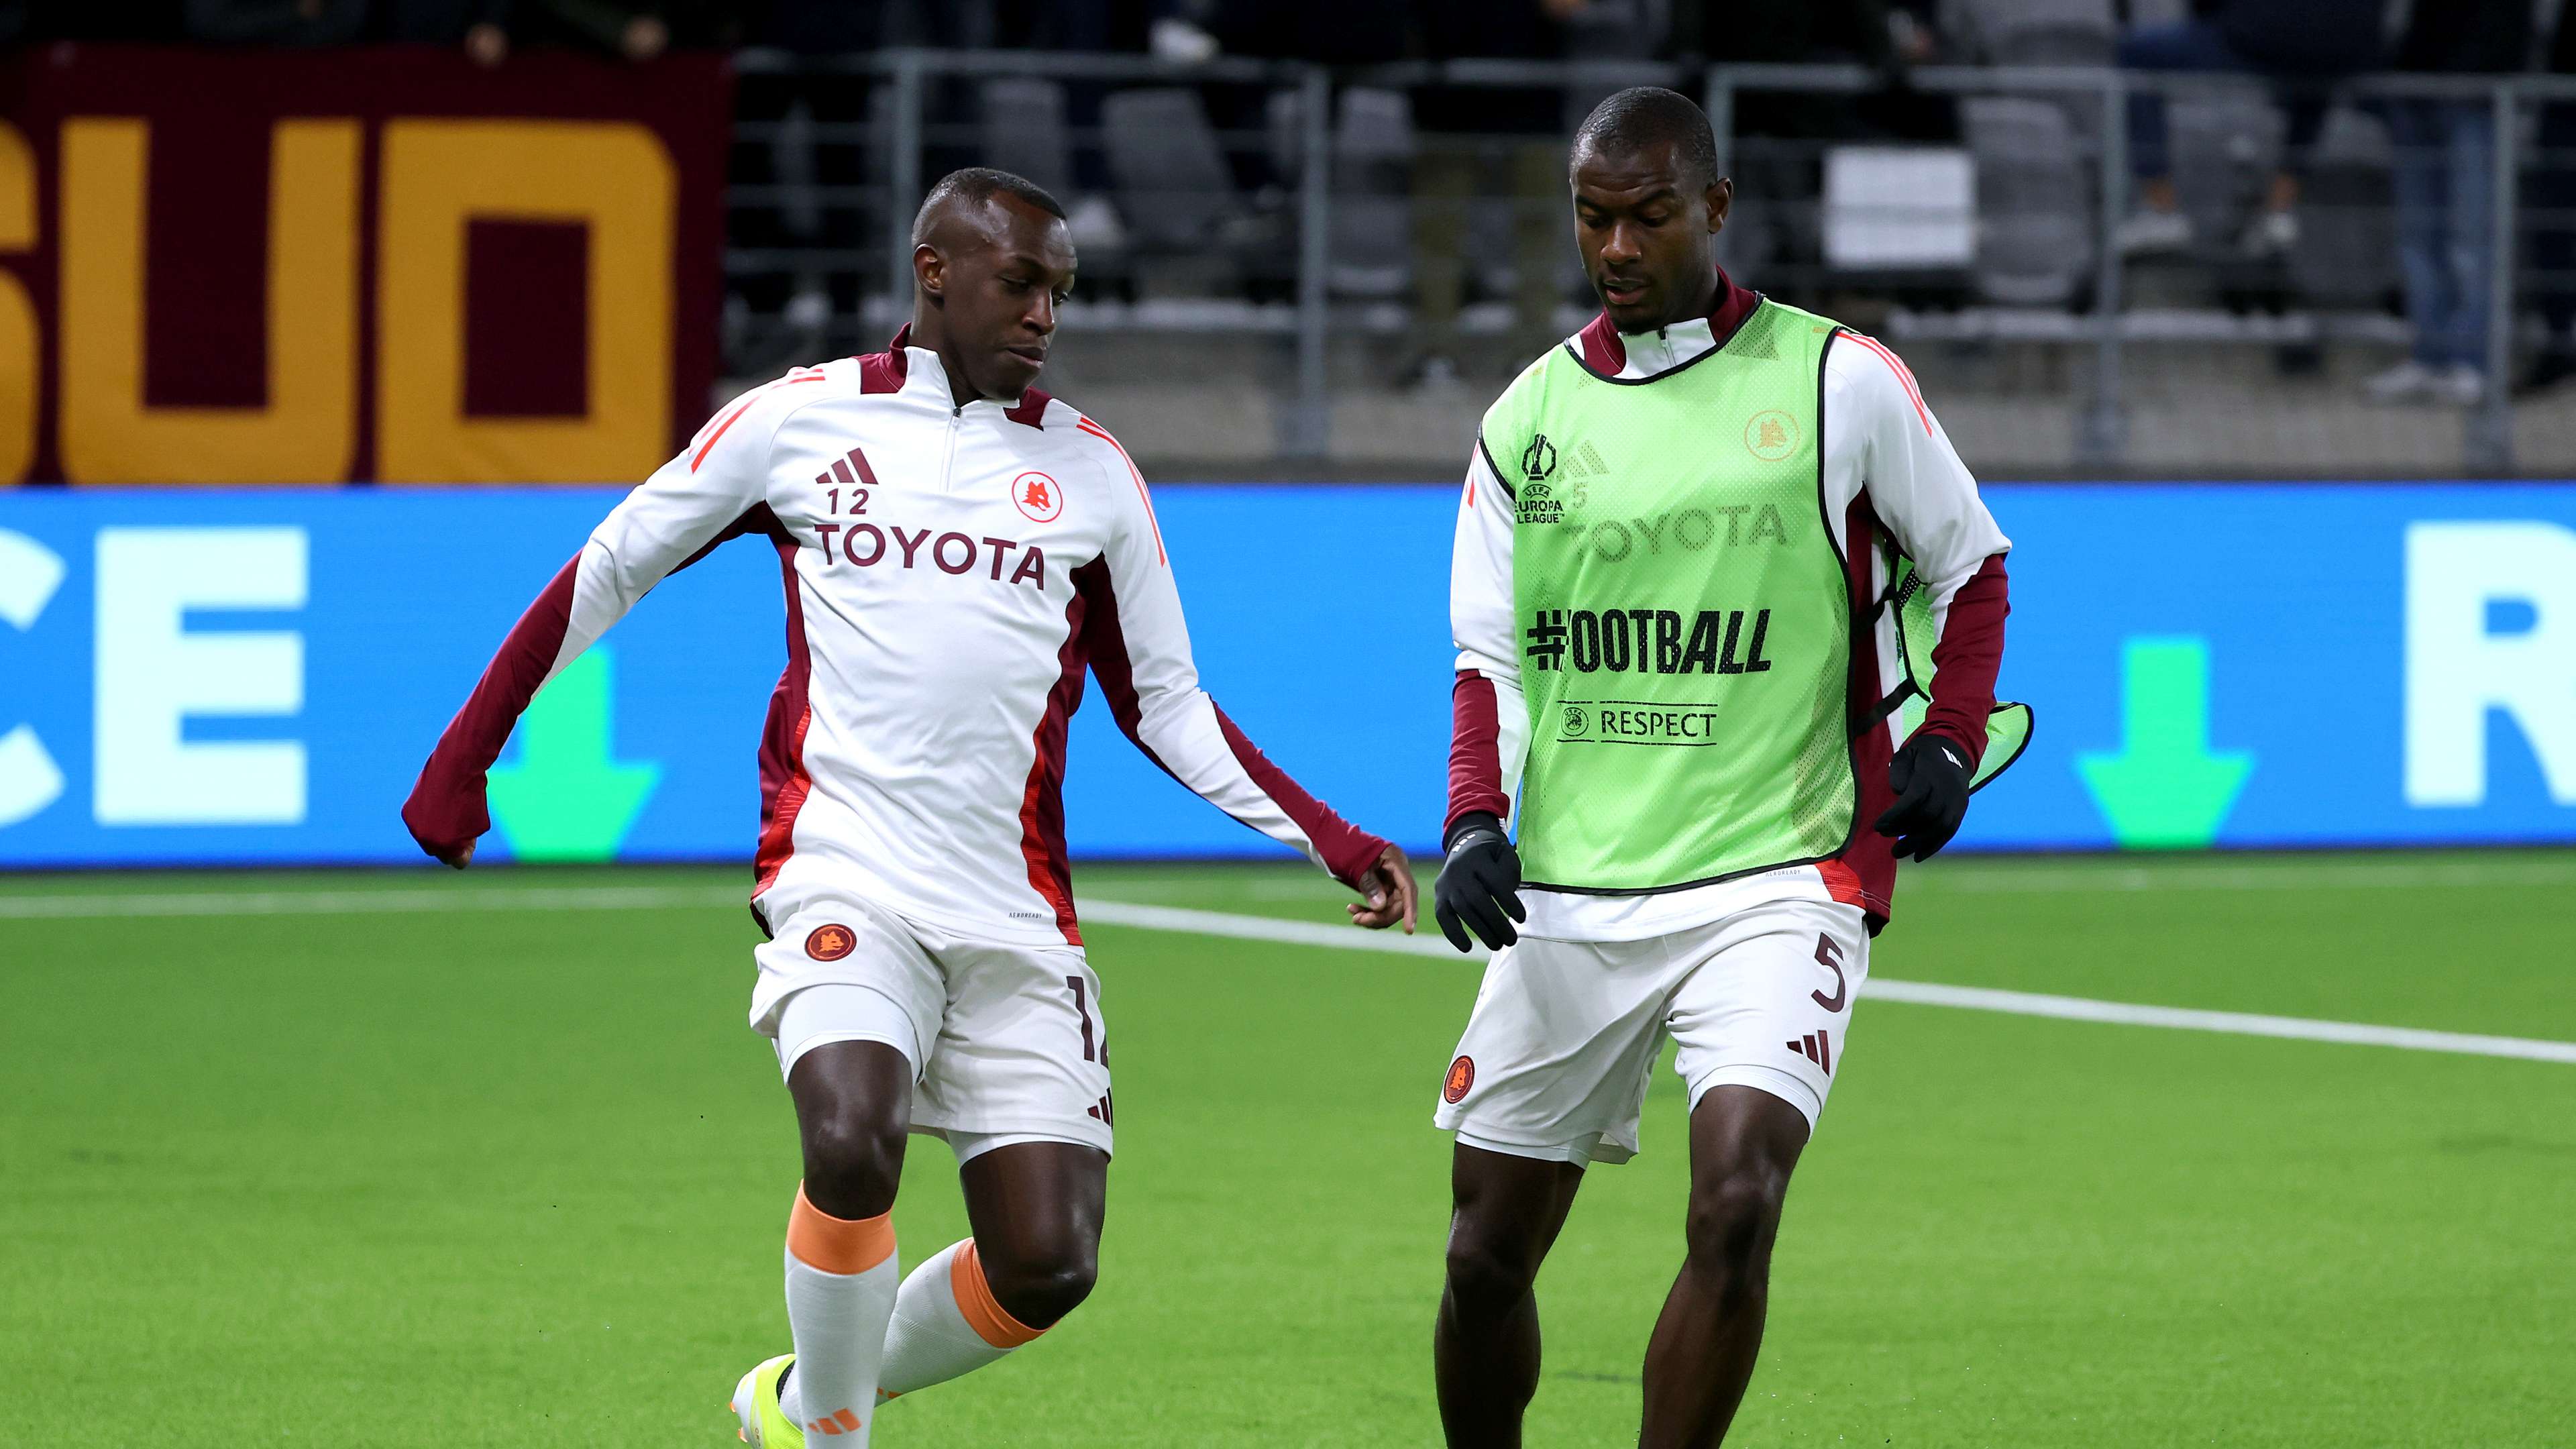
(2197, 45)
(1449, 172)
(2445, 184)
(2551, 197)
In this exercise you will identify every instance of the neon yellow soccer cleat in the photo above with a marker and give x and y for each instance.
(755, 1403)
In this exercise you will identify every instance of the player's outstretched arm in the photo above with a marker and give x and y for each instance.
(712, 491)
(1140, 655)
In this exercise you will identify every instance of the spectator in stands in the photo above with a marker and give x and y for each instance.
(1463, 131)
(276, 22)
(2300, 45)
(2553, 219)
(634, 31)
(1332, 32)
(2445, 177)
(472, 24)
(1780, 136)
(1083, 27)
(1883, 35)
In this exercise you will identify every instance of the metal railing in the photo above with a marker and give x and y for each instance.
(902, 129)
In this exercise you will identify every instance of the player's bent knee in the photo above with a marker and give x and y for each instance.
(852, 1166)
(1040, 1288)
(1486, 1274)
(1734, 1215)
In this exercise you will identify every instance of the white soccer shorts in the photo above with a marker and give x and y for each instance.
(1007, 1043)
(1557, 1052)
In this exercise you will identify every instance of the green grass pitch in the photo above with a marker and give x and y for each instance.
(518, 1176)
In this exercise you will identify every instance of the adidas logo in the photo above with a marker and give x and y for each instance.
(1817, 1047)
(1586, 463)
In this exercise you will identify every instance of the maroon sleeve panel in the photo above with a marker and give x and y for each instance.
(1347, 851)
(1475, 751)
(446, 809)
(1966, 659)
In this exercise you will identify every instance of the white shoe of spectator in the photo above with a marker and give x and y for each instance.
(1095, 225)
(2461, 386)
(810, 310)
(1178, 40)
(2270, 234)
(2150, 232)
(2408, 381)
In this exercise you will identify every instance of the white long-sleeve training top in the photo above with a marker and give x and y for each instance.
(951, 571)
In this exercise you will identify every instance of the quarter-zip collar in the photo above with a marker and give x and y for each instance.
(1644, 356)
(920, 368)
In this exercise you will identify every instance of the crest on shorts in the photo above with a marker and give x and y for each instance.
(1462, 1075)
(831, 943)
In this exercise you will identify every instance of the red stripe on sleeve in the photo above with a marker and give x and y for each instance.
(1904, 376)
(718, 431)
(1097, 431)
(1348, 851)
(1967, 657)
(802, 374)
(1475, 751)
(446, 809)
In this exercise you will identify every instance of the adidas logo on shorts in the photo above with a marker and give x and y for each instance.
(1817, 1047)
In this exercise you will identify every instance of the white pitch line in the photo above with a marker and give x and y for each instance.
(1261, 928)
(1969, 876)
(1917, 993)
(426, 900)
(2233, 1023)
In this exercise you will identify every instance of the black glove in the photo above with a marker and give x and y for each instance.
(1479, 884)
(1930, 778)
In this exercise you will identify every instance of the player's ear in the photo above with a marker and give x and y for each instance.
(1721, 195)
(929, 268)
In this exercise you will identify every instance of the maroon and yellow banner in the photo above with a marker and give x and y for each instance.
(369, 264)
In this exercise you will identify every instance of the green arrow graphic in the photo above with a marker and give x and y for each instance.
(566, 799)
(2165, 789)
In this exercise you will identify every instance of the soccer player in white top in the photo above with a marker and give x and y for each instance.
(957, 549)
(1675, 592)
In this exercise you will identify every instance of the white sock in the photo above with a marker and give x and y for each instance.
(841, 1280)
(946, 1323)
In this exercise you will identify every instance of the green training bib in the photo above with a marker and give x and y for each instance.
(1685, 628)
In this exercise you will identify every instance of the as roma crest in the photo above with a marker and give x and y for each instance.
(1038, 496)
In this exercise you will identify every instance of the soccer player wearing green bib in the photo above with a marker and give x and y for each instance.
(1729, 611)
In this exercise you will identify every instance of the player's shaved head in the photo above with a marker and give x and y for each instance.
(991, 259)
(961, 192)
(1642, 119)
